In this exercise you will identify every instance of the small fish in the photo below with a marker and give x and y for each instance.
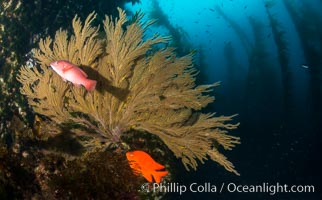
(74, 74)
(142, 163)
(305, 66)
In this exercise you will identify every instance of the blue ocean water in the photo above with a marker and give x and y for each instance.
(268, 57)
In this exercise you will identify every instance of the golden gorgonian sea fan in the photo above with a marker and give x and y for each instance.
(139, 87)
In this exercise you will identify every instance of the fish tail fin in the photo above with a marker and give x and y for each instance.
(90, 85)
(157, 175)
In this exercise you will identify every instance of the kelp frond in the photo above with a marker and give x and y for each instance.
(139, 87)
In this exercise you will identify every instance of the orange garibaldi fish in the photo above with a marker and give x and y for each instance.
(143, 163)
(72, 73)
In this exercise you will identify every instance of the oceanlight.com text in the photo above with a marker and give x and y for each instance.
(271, 189)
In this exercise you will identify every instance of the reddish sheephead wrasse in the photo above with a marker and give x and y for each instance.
(72, 73)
